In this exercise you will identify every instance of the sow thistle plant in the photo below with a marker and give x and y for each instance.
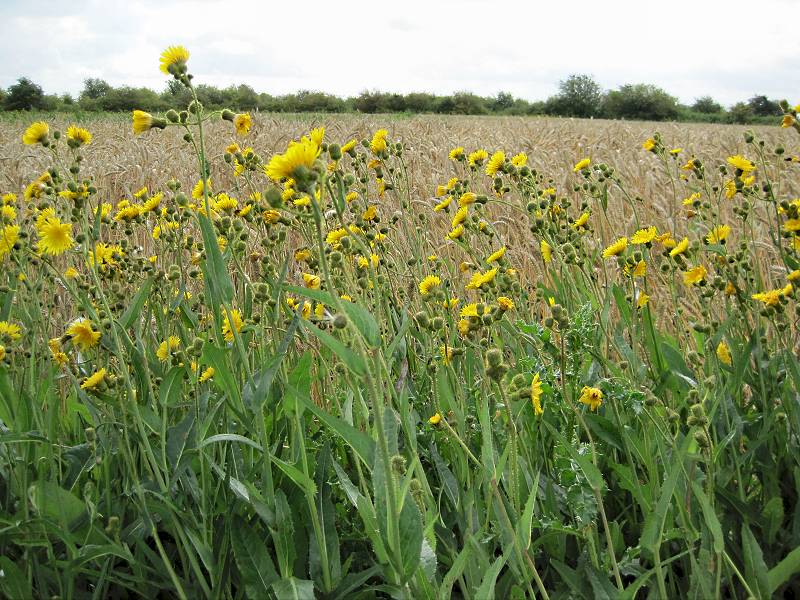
(284, 379)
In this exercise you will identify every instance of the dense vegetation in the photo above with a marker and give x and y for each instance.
(296, 378)
(579, 96)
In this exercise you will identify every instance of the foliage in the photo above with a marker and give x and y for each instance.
(305, 384)
(640, 101)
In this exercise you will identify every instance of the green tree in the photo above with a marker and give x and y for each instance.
(94, 88)
(763, 106)
(578, 96)
(706, 105)
(640, 101)
(741, 112)
(24, 95)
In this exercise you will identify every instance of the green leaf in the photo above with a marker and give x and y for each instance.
(178, 438)
(55, 503)
(294, 589)
(133, 311)
(351, 360)
(170, 392)
(486, 590)
(223, 378)
(755, 570)
(252, 557)
(254, 395)
(301, 479)
(712, 522)
(592, 473)
(411, 535)
(359, 441)
(456, 569)
(783, 571)
(229, 437)
(216, 276)
(654, 521)
(13, 582)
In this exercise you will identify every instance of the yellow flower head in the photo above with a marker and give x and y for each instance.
(456, 153)
(581, 164)
(546, 250)
(242, 122)
(497, 255)
(78, 135)
(591, 397)
(298, 154)
(173, 59)
(519, 160)
(378, 143)
(616, 248)
(456, 233)
(36, 134)
(55, 237)
(94, 380)
(581, 221)
(467, 198)
(206, 375)
(311, 281)
(680, 248)
(479, 279)
(536, 395)
(495, 163)
(428, 284)
(8, 238)
(718, 234)
(443, 204)
(505, 303)
(144, 121)
(9, 331)
(167, 346)
(741, 163)
(644, 236)
(83, 334)
(236, 320)
(724, 353)
(695, 275)
(477, 157)
(435, 419)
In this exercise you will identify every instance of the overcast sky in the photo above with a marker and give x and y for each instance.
(729, 49)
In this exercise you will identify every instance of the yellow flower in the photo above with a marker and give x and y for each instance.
(495, 163)
(435, 419)
(616, 248)
(773, 297)
(236, 318)
(55, 237)
(591, 397)
(477, 157)
(788, 121)
(378, 143)
(741, 163)
(680, 248)
(460, 216)
(581, 164)
(311, 281)
(536, 395)
(371, 213)
(350, 197)
(466, 199)
(546, 250)
(519, 160)
(242, 122)
(644, 236)
(447, 354)
(581, 221)
(11, 331)
(298, 154)
(642, 299)
(478, 279)
(649, 144)
(676, 151)
(94, 380)
(495, 256)
(349, 146)
(8, 237)
(334, 237)
(689, 165)
(639, 269)
(36, 134)
(206, 375)
(794, 275)
(456, 153)
(695, 275)
(71, 273)
(223, 202)
(428, 284)
(199, 189)
(82, 334)
(718, 234)
(173, 58)
(505, 303)
(456, 232)
(724, 353)
(78, 135)
(443, 204)
(167, 346)
(143, 121)
(792, 225)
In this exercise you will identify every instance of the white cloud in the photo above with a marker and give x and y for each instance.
(416, 45)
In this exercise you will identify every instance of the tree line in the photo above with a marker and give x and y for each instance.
(578, 96)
